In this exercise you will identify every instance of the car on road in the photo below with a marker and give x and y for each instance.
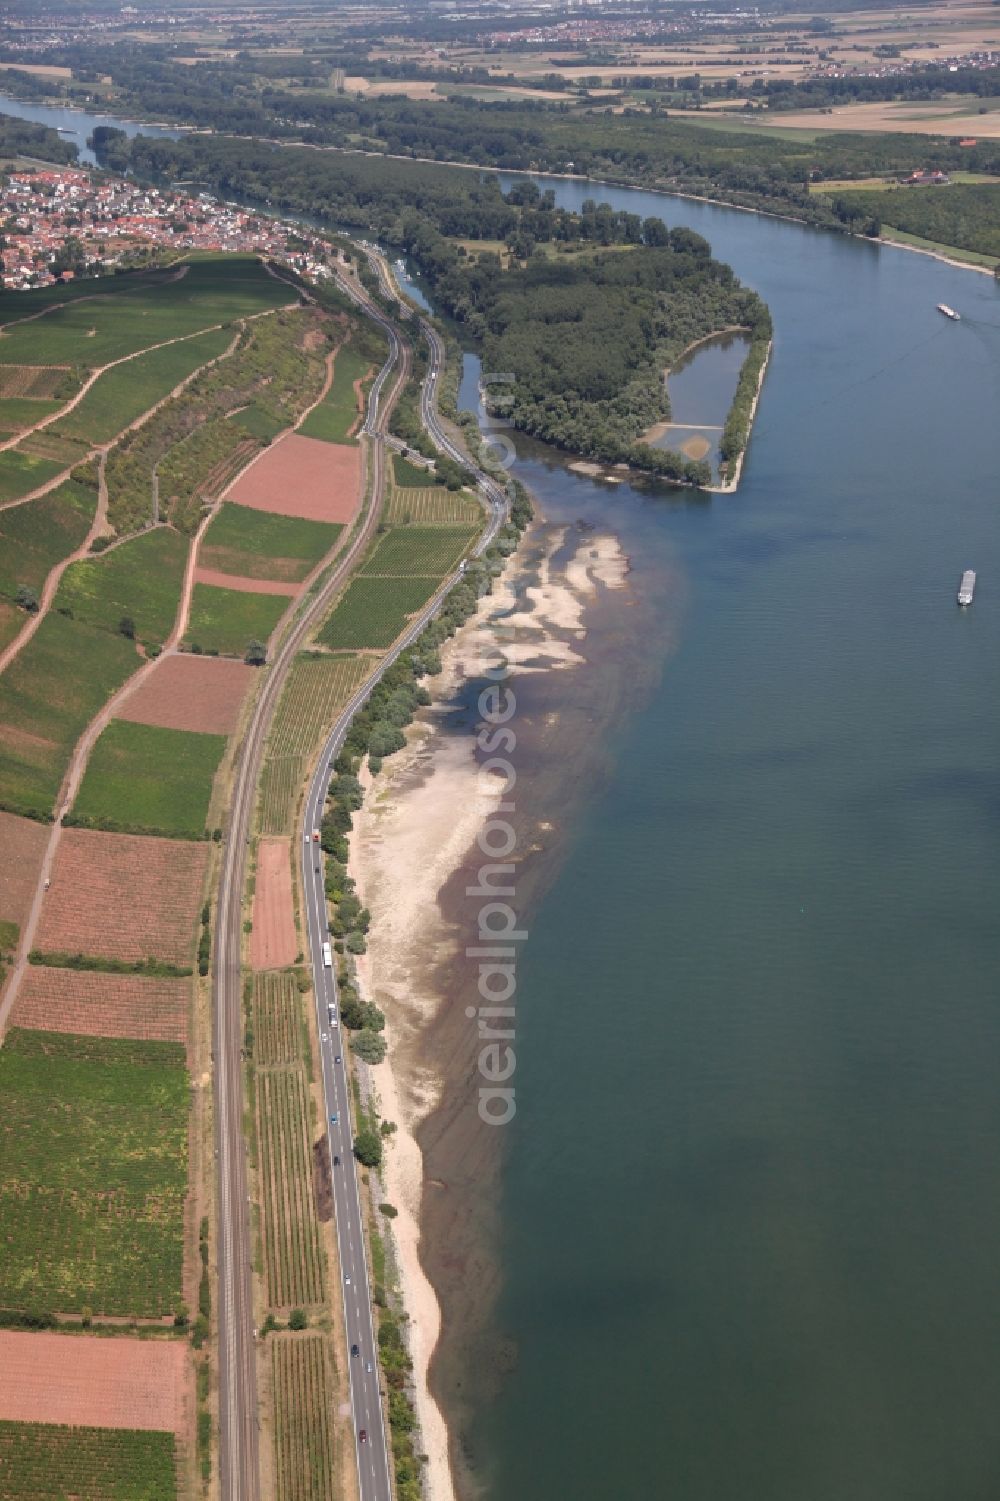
(326, 1037)
(333, 1120)
(362, 1436)
(336, 1160)
(337, 1059)
(355, 1350)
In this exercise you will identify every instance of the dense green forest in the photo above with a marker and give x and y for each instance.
(966, 215)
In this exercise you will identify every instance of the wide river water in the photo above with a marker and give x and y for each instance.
(751, 1197)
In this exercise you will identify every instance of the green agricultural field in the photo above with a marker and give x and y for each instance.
(415, 550)
(50, 1462)
(48, 696)
(374, 610)
(93, 1173)
(410, 475)
(121, 395)
(337, 413)
(20, 473)
(129, 282)
(36, 536)
(11, 621)
(92, 331)
(263, 545)
(227, 620)
(140, 579)
(48, 444)
(258, 422)
(18, 412)
(146, 779)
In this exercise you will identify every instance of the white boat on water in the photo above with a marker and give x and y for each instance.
(949, 312)
(967, 587)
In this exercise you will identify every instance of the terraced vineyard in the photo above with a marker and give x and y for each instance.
(49, 1462)
(373, 611)
(432, 505)
(303, 1425)
(277, 1036)
(414, 551)
(280, 781)
(93, 1173)
(317, 687)
(293, 1257)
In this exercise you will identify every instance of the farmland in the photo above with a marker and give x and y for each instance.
(103, 1005)
(19, 412)
(303, 1426)
(92, 331)
(337, 415)
(432, 506)
(280, 781)
(373, 611)
(145, 779)
(316, 688)
(45, 1462)
(139, 580)
(35, 382)
(277, 1023)
(48, 695)
(408, 475)
(227, 620)
(300, 476)
(416, 550)
(20, 473)
(121, 395)
(36, 536)
(273, 940)
(23, 843)
(152, 886)
(263, 545)
(293, 1257)
(93, 1173)
(191, 693)
(126, 1382)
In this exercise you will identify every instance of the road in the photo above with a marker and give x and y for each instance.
(372, 1452)
(238, 1416)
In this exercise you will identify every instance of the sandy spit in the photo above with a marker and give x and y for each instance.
(419, 821)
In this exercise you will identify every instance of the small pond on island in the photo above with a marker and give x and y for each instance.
(701, 386)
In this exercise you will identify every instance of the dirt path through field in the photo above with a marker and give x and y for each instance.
(95, 375)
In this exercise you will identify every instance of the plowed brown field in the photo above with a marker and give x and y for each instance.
(272, 942)
(96, 1005)
(22, 845)
(191, 693)
(303, 477)
(100, 1383)
(122, 896)
(244, 585)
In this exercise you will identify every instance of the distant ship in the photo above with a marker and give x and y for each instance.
(949, 312)
(967, 587)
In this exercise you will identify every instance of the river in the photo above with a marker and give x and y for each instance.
(750, 1201)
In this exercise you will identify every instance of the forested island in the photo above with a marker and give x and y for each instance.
(586, 310)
